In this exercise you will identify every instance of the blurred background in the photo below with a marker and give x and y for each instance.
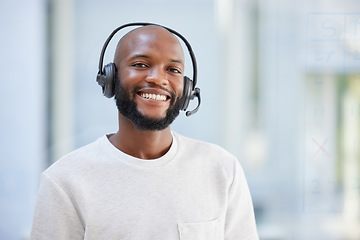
(280, 84)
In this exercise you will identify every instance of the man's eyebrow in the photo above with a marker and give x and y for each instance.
(148, 57)
(176, 61)
(140, 56)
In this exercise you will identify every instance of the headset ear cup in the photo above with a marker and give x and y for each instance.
(109, 81)
(187, 92)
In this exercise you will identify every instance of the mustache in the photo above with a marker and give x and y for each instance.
(127, 107)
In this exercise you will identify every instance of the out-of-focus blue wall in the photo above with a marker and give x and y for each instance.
(22, 112)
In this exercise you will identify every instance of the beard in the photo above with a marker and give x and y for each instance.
(128, 108)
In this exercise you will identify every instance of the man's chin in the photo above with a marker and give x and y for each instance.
(152, 116)
(148, 124)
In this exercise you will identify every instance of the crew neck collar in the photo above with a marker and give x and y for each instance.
(118, 155)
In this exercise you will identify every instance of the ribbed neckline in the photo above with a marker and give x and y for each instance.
(118, 155)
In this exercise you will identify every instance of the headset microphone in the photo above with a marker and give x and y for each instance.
(106, 75)
(195, 94)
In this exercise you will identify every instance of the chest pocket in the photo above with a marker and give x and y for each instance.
(200, 230)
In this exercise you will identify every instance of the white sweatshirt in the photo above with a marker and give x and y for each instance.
(196, 191)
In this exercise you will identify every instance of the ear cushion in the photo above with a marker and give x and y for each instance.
(109, 81)
(187, 92)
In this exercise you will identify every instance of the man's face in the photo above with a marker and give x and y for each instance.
(150, 65)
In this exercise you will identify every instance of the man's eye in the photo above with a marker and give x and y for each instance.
(139, 65)
(174, 70)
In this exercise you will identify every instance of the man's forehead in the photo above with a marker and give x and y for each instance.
(148, 30)
(145, 35)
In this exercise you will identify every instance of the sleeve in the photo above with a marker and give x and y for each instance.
(55, 216)
(240, 219)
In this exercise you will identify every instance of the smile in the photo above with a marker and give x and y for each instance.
(153, 96)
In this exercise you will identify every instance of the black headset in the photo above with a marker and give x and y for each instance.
(106, 76)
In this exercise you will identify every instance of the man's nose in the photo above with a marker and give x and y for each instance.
(157, 76)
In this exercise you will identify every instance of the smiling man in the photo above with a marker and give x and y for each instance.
(150, 63)
(145, 182)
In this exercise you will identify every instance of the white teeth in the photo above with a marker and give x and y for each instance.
(152, 96)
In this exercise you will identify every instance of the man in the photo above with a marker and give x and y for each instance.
(146, 182)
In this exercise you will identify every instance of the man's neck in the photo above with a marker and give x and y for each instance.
(139, 143)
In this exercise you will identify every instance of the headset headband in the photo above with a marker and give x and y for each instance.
(105, 76)
(145, 24)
